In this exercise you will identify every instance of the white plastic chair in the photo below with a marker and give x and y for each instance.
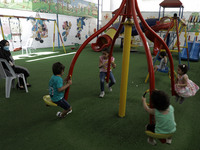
(10, 77)
(28, 46)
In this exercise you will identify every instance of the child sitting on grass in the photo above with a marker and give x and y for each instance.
(56, 89)
(164, 115)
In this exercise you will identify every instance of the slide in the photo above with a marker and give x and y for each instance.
(160, 25)
(195, 50)
(184, 50)
(106, 39)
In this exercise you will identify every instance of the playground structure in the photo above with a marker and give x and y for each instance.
(174, 24)
(15, 34)
(193, 44)
(193, 50)
(157, 25)
(32, 18)
(177, 26)
(131, 11)
(171, 4)
(106, 39)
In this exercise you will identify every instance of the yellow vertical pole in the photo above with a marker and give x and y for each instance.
(2, 29)
(60, 37)
(125, 67)
(54, 35)
(2, 32)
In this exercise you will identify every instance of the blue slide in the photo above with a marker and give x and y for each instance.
(184, 50)
(195, 50)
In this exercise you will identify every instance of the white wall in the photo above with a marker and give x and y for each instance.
(27, 29)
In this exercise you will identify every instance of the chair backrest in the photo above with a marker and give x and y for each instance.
(3, 71)
(29, 42)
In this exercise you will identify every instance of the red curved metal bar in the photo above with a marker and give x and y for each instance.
(164, 45)
(166, 34)
(178, 42)
(147, 51)
(87, 41)
(170, 26)
(112, 46)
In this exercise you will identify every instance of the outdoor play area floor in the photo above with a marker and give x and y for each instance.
(27, 124)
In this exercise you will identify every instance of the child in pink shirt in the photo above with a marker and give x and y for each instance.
(103, 65)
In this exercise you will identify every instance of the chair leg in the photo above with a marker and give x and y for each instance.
(29, 50)
(13, 83)
(25, 86)
(21, 75)
(8, 87)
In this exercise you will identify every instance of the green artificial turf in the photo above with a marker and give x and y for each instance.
(27, 124)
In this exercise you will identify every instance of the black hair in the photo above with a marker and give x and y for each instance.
(163, 54)
(3, 43)
(106, 50)
(183, 68)
(57, 68)
(160, 100)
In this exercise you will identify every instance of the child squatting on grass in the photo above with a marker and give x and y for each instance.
(57, 87)
(164, 115)
(184, 87)
(103, 65)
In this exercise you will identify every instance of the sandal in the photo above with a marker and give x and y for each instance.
(28, 85)
(151, 142)
(20, 87)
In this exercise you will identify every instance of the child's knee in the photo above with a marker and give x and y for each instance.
(102, 81)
